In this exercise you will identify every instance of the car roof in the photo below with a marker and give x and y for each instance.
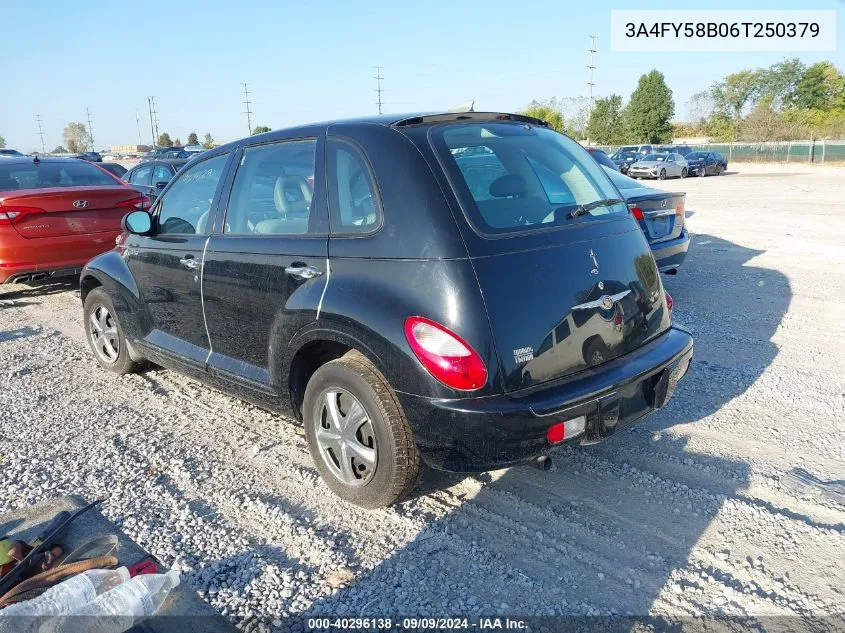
(388, 120)
(22, 160)
(163, 161)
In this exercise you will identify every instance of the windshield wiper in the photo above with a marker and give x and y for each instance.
(586, 208)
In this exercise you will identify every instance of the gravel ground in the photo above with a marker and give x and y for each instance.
(686, 513)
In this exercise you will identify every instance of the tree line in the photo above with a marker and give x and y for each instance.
(788, 100)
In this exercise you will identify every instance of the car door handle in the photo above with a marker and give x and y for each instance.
(189, 262)
(303, 272)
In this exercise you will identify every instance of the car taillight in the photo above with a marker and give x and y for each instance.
(679, 209)
(670, 304)
(141, 203)
(637, 213)
(10, 215)
(445, 355)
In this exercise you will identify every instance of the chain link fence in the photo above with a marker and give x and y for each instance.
(809, 151)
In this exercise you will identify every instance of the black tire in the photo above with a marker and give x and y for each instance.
(684, 172)
(397, 464)
(702, 172)
(595, 352)
(96, 301)
(662, 175)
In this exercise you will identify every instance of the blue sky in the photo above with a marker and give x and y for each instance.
(313, 61)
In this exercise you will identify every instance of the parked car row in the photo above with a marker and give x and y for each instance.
(697, 163)
(394, 283)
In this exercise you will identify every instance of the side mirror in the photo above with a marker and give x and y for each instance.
(137, 222)
(161, 184)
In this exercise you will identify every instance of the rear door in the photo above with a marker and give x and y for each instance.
(264, 274)
(540, 263)
(167, 265)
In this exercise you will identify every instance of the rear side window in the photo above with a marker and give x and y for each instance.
(141, 176)
(512, 178)
(273, 190)
(75, 173)
(162, 173)
(352, 193)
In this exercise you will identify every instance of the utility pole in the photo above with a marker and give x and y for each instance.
(246, 103)
(378, 79)
(151, 102)
(138, 124)
(90, 129)
(591, 66)
(41, 133)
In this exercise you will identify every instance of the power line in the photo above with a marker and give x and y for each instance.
(90, 129)
(378, 79)
(591, 66)
(41, 133)
(151, 102)
(246, 103)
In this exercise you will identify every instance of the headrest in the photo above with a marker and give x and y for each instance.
(508, 186)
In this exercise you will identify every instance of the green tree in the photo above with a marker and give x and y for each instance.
(606, 125)
(59, 150)
(192, 139)
(822, 87)
(76, 137)
(177, 142)
(164, 140)
(778, 81)
(765, 123)
(2, 142)
(736, 92)
(650, 110)
(546, 111)
(208, 143)
(260, 129)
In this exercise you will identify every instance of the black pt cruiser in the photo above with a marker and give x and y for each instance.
(464, 289)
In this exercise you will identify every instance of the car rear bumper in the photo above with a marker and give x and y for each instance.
(21, 258)
(471, 435)
(641, 174)
(671, 254)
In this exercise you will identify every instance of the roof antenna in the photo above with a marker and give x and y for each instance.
(36, 160)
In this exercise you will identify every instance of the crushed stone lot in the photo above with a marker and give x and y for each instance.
(687, 512)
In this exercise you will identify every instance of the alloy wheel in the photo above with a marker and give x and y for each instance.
(346, 438)
(102, 329)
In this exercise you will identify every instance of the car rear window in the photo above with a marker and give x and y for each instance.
(623, 182)
(516, 177)
(33, 175)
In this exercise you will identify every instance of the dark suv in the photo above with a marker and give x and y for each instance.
(466, 289)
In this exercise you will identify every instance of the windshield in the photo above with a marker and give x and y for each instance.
(654, 157)
(516, 177)
(48, 174)
(696, 155)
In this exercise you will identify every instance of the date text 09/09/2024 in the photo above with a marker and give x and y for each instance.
(416, 623)
(722, 29)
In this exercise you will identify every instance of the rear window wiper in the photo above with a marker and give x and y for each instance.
(586, 208)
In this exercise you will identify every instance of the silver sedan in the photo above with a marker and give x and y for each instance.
(659, 166)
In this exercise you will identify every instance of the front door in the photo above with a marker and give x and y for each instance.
(167, 265)
(266, 270)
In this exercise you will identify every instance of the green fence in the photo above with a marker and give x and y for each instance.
(787, 152)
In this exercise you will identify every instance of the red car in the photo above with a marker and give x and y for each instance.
(56, 214)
